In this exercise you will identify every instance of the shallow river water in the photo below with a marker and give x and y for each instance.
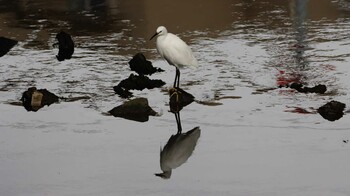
(252, 141)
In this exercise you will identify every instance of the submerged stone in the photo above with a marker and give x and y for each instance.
(34, 99)
(136, 82)
(6, 44)
(65, 46)
(332, 111)
(179, 99)
(136, 109)
(140, 65)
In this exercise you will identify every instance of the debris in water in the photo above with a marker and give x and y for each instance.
(332, 111)
(72, 99)
(209, 103)
(262, 90)
(65, 46)
(136, 109)
(34, 99)
(6, 44)
(140, 65)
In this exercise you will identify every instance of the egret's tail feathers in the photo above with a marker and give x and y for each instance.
(194, 64)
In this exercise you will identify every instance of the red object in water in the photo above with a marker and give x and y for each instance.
(284, 79)
(300, 110)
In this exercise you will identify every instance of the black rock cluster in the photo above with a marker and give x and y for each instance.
(140, 65)
(137, 109)
(136, 82)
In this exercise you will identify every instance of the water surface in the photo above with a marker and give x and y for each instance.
(247, 146)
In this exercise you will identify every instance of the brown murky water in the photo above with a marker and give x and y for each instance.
(249, 144)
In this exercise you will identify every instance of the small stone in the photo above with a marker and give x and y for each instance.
(65, 46)
(332, 111)
(34, 99)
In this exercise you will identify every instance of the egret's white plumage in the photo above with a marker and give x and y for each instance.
(175, 51)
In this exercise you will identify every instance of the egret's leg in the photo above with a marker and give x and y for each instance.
(178, 77)
(176, 84)
(178, 121)
(175, 79)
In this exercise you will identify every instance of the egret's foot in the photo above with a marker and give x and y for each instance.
(174, 92)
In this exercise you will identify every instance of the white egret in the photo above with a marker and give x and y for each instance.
(175, 51)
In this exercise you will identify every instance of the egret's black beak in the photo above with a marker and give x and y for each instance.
(154, 35)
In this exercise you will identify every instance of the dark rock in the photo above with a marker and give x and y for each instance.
(5, 45)
(136, 82)
(296, 86)
(140, 65)
(179, 99)
(320, 89)
(65, 46)
(34, 99)
(332, 111)
(136, 109)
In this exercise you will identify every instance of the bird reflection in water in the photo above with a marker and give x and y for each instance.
(178, 148)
